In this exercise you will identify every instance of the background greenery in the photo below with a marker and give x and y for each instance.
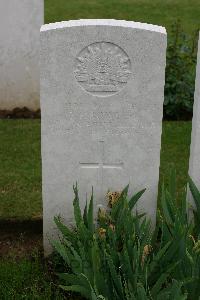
(180, 74)
(160, 12)
(181, 56)
(20, 171)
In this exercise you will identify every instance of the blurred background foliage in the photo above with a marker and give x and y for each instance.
(182, 38)
(180, 74)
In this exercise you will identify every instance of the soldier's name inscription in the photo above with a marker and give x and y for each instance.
(99, 120)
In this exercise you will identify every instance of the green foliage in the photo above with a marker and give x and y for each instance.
(196, 212)
(180, 74)
(122, 258)
(176, 228)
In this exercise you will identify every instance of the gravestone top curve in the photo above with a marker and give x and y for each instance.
(103, 22)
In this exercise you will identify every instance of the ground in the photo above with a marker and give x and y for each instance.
(20, 238)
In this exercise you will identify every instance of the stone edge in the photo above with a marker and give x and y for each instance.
(103, 22)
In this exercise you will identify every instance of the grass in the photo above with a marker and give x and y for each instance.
(28, 279)
(20, 171)
(160, 12)
(176, 137)
(21, 280)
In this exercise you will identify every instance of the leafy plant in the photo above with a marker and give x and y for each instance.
(176, 228)
(196, 211)
(119, 258)
(180, 74)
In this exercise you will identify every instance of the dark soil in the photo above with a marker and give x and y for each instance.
(20, 113)
(26, 113)
(182, 116)
(19, 238)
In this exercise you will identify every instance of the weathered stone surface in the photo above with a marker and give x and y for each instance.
(194, 164)
(102, 85)
(19, 53)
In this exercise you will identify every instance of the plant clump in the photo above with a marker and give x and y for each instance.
(122, 257)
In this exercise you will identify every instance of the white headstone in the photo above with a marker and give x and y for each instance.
(194, 163)
(19, 53)
(102, 86)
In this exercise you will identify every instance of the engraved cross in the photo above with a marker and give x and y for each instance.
(101, 165)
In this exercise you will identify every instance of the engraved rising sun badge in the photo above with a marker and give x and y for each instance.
(102, 68)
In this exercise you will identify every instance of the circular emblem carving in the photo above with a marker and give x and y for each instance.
(102, 69)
